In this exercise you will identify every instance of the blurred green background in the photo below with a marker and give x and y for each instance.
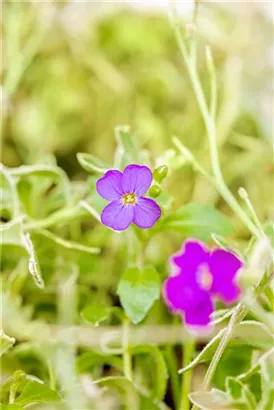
(73, 71)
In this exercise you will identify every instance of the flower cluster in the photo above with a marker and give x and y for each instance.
(200, 277)
(125, 191)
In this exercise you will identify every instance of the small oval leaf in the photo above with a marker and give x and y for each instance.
(95, 313)
(198, 221)
(138, 289)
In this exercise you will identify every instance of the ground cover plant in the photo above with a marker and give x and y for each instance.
(136, 208)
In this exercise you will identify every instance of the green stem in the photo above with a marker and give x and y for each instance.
(174, 381)
(237, 316)
(12, 393)
(62, 216)
(244, 195)
(210, 128)
(187, 377)
(126, 354)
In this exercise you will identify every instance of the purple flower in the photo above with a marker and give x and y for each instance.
(200, 277)
(125, 191)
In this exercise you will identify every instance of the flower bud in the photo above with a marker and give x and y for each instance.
(19, 376)
(160, 173)
(155, 191)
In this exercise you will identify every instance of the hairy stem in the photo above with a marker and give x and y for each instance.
(210, 127)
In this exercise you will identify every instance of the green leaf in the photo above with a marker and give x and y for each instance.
(160, 373)
(249, 398)
(10, 407)
(267, 400)
(247, 333)
(88, 360)
(269, 230)
(198, 221)
(6, 342)
(9, 202)
(91, 163)
(95, 313)
(44, 170)
(35, 392)
(124, 387)
(11, 233)
(212, 400)
(234, 388)
(256, 367)
(130, 395)
(138, 289)
(125, 140)
(267, 368)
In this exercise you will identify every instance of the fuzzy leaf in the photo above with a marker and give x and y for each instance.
(138, 289)
(124, 387)
(92, 164)
(88, 360)
(129, 393)
(159, 371)
(247, 333)
(125, 140)
(198, 221)
(212, 400)
(6, 342)
(35, 392)
(11, 233)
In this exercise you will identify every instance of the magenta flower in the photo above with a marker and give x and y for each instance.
(125, 191)
(200, 277)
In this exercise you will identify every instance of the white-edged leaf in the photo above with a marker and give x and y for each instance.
(35, 392)
(125, 140)
(197, 221)
(9, 201)
(247, 333)
(160, 372)
(210, 400)
(92, 164)
(11, 233)
(6, 342)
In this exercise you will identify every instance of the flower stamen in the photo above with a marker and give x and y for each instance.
(129, 199)
(204, 277)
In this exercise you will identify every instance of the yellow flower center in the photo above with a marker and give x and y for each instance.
(204, 278)
(129, 199)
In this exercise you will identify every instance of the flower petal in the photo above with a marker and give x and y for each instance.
(199, 315)
(179, 294)
(188, 260)
(146, 213)
(224, 266)
(117, 216)
(110, 186)
(136, 179)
